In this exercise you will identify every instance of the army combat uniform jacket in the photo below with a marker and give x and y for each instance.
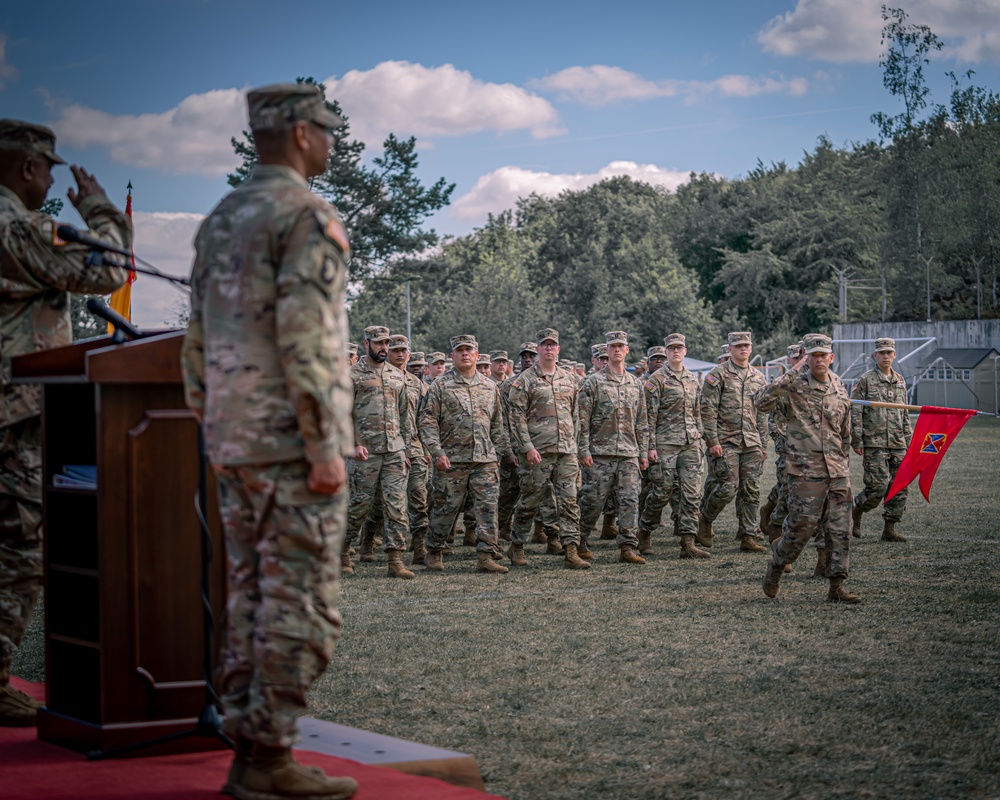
(381, 418)
(727, 410)
(612, 412)
(461, 418)
(673, 409)
(889, 428)
(543, 411)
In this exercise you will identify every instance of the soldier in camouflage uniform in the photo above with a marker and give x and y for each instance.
(612, 444)
(818, 419)
(734, 432)
(775, 507)
(677, 466)
(352, 353)
(598, 357)
(483, 365)
(415, 366)
(436, 361)
(543, 425)
(265, 370)
(510, 481)
(498, 365)
(37, 276)
(881, 436)
(461, 425)
(416, 481)
(382, 432)
(656, 357)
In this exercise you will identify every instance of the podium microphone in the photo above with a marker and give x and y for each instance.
(123, 328)
(70, 234)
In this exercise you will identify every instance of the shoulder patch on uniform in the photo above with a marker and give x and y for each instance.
(710, 378)
(517, 383)
(334, 230)
(649, 385)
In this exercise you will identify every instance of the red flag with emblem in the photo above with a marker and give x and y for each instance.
(121, 299)
(936, 429)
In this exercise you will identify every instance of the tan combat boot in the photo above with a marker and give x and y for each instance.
(469, 539)
(748, 544)
(772, 578)
(705, 532)
(485, 563)
(820, 571)
(690, 550)
(645, 542)
(346, 567)
(889, 532)
(629, 556)
(573, 560)
(434, 561)
(273, 774)
(554, 546)
(583, 550)
(856, 522)
(765, 515)
(609, 528)
(516, 555)
(367, 546)
(17, 710)
(419, 547)
(397, 569)
(838, 594)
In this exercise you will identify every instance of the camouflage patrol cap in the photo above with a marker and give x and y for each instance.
(399, 342)
(281, 105)
(436, 357)
(818, 343)
(656, 352)
(483, 360)
(547, 335)
(498, 355)
(793, 351)
(352, 348)
(742, 337)
(377, 333)
(564, 363)
(674, 340)
(616, 337)
(464, 339)
(598, 350)
(26, 137)
(417, 359)
(528, 347)
(885, 343)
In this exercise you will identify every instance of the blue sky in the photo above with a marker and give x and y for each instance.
(504, 99)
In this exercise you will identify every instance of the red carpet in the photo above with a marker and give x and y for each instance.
(34, 770)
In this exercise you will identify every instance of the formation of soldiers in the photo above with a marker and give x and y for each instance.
(544, 453)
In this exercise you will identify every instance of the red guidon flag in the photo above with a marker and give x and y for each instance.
(121, 299)
(935, 431)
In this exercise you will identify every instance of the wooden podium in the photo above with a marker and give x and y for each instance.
(123, 609)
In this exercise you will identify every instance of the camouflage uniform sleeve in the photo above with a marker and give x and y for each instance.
(31, 256)
(403, 408)
(311, 328)
(498, 431)
(517, 410)
(907, 422)
(859, 392)
(430, 433)
(767, 398)
(651, 390)
(710, 396)
(642, 431)
(696, 413)
(193, 349)
(762, 418)
(585, 403)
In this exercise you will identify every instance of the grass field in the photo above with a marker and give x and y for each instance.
(681, 679)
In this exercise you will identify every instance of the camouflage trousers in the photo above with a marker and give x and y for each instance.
(880, 467)
(510, 491)
(385, 473)
(549, 484)
(451, 489)
(813, 504)
(417, 508)
(676, 477)
(284, 545)
(779, 492)
(606, 475)
(734, 475)
(20, 534)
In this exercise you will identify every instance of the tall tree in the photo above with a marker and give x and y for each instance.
(384, 205)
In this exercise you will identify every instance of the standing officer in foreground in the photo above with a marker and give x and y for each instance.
(461, 425)
(37, 276)
(881, 436)
(817, 466)
(265, 370)
(734, 432)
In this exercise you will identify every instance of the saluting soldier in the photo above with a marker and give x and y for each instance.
(612, 444)
(461, 425)
(734, 433)
(880, 436)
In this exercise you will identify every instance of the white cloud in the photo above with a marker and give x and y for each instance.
(8, 72)
(411, 99)
(192, 137)
(850, 30)
(500, 189)
(166, 240)
(599, 85)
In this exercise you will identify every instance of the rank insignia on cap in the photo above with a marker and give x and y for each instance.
(711, 379)
(933, 443)
(335, 232)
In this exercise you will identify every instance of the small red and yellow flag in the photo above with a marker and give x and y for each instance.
(121, 299)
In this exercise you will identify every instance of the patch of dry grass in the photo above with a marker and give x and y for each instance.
(681, 679)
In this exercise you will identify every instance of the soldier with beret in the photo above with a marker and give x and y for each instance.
(817, 466)
(677, 466)
(734, 433)
(880, 436)
(461, 425)
(612, 442)
(39, 272)
(265, 370)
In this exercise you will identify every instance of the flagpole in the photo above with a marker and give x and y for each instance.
(879, 404)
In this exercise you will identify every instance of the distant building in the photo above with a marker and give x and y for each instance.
(959, 378)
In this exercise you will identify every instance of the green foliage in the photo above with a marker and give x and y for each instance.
(383, 205)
